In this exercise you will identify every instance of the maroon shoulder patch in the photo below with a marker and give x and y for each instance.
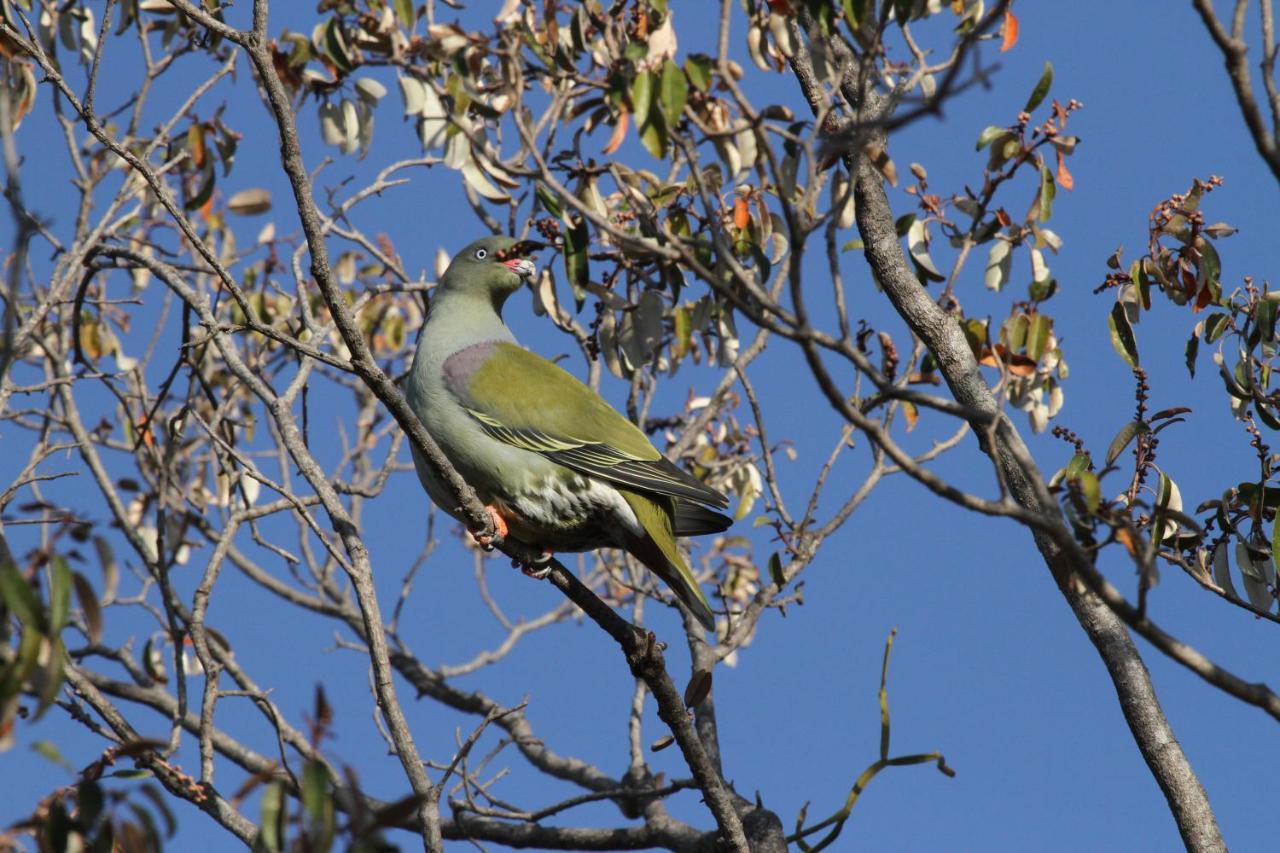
(463, 364)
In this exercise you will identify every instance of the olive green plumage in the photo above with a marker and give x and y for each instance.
(564, 470)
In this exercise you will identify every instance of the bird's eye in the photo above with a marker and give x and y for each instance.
(481, 254)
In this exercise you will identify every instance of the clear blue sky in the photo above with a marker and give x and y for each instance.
(989, 667)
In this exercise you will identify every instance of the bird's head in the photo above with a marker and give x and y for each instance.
(491, 266)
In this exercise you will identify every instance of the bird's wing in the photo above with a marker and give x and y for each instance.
(524, 400)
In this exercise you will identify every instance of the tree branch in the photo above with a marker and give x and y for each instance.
(1000, 440)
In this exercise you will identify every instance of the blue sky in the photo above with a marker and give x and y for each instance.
(989, 665)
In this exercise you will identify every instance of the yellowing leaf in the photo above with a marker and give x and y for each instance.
(250, 202)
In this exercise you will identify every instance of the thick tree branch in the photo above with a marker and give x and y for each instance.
(1000, 440)
(1235, 57)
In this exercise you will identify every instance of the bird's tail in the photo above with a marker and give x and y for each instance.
(658, 551)
(693, 519)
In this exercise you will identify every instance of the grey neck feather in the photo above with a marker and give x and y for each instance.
(458, 319)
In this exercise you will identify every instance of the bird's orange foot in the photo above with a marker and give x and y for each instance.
(539, 568)
(488, 541)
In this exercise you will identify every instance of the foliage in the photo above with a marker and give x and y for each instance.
(184, 366)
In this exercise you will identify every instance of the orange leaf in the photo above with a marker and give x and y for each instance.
(1015, 363)
(619, 133)
(1203, 298)
(911, 413)
(1125, 538)
(1064, 177)
(1010, 30)
(880, 159)
(1021, 365)
(741, 213)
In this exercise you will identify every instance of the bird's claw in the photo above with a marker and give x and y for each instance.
(538, 569)
(489, 541)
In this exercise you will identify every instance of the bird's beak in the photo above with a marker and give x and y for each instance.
(522, 267)
(515, 258)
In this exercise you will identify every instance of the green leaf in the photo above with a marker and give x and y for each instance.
(642, 96)
(1265, 318)
(576, 265)
(549, 202)
(1192, 351)
(975, 332)
(1126, 434)
(1014, 331)
(1233, 386)
(991, 134)
(1214, 327)
(48, 750)
(1138, 273)
(1275, 542)
(318, 801)
(1048, 190)
(682, 332)
(270, 831)
(19, 668)
(404, 11)
(59, 594)
(698, 67)
(132, 773)
(55, 833)
(674, 93)
(1078, 464)
(1041, 90)
(89, 802)
(1265, 415)
(336, 45)
(1209, 270)
(208, 178)
(1091, 491)
(20, 598)
(54, 673)
(1122, 335)
(775, 570)
(1038, 335)
(855, 12)
(653, 135)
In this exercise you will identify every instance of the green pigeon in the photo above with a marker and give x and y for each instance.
(558, 468)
